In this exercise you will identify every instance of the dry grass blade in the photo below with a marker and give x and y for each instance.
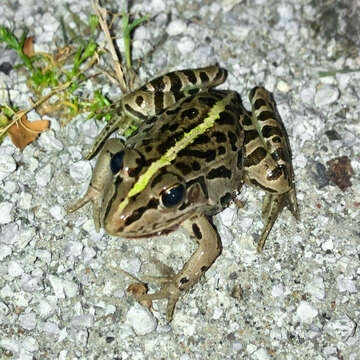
(101, 13)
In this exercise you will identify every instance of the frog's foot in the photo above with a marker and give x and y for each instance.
(95, 196)
(169, 290)
(272, 206)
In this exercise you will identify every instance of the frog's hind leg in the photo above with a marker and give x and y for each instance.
(267, 161)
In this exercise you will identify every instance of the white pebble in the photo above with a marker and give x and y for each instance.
(261, 354)
(326, 95)
(70, 288)
(141, 320)
(45, 308)
(43, 255)
(73, 249)
(341, 328)
(88, 254)
(4, 310)
(158, 6)
(57, 285)
(27, 321)
(5, 212)
(7, 165)
(10, 234)
(49, 141)
(50, 328)
(9, 345)
(228, 216)
(176, 27)
(306, 312)
(316, 287)
(285, 12)
(81, 171)
(30, 344)
(10, 187)
(25, 201)
(57, 212)
(31, 283)
(277, 290)
(327, 245)
(283, 86)
(307, 95)
(4, 251)
(344, 284)
(81, 337)
(131, 265)
(185, 45)
(82, 321)
(44, 175)
(14, 269)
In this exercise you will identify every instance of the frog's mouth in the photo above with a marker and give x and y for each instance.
(144, 228)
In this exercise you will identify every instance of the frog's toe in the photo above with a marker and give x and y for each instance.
(94, 196)
(169, 291)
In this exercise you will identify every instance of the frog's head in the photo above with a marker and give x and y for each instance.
(142, 201)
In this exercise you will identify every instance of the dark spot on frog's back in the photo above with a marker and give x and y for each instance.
(221, 150)
(202, 139)
(207, 100)
(232, 139)
(191, 113)
(226, 119)
(219, 136)
(169, 126)
(184, 168)
(209, 155)
(169, 142)
(195, 166)
(220, 172)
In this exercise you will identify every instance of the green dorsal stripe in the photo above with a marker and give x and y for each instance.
(170, 155)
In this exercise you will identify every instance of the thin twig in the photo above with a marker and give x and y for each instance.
(101, 13)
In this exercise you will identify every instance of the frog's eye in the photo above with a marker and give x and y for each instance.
(173, 196)
(116, 162)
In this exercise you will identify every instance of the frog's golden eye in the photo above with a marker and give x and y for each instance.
(173, 196)
(116, 162)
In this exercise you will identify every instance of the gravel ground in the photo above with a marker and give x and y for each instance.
(299, 299)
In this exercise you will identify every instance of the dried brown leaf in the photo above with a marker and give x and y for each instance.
(24, 132)
(28, 48)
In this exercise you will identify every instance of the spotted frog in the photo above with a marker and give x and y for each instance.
(195, 148)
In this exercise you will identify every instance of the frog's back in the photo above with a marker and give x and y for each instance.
(213, 160)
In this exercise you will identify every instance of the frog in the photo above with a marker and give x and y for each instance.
(194, 149)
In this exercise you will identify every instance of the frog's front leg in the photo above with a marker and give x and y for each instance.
(101, 178)
(209, 249)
